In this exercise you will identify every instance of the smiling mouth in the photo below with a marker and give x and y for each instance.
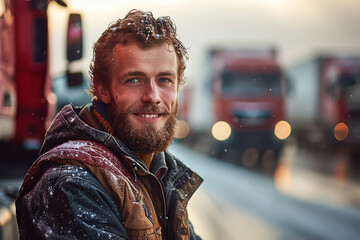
(148, 115)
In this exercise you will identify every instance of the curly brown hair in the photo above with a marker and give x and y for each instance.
(146, 31)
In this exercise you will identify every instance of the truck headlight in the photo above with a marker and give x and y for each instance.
(341, 131)
(282, 130)
(221, 131)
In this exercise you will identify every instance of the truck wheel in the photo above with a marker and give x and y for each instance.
(250, 158)
(268, 161)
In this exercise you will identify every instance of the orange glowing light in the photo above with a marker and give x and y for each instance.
(341, 131)
(282, 130)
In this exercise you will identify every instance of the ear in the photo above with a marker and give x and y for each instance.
(102, 92)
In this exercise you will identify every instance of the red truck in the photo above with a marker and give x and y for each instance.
(27, 102)
(249, 91)
(324, 105)
(320, 104)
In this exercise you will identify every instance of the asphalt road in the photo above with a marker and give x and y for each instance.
(298, 203)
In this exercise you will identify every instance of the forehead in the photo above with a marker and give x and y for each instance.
(131, 55)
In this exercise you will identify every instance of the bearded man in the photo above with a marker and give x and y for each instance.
(104, 171)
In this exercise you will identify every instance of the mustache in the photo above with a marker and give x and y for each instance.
(148, 109)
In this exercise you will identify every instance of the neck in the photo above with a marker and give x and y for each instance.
(147, 158)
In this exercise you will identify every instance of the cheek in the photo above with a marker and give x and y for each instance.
(170, 98)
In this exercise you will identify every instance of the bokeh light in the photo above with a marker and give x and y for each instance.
(182, 129)
(341, 131)
(282, 130)
(221, 131)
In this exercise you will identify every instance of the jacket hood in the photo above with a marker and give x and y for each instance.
(78, 123)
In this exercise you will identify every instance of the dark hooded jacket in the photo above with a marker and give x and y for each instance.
(88, 185)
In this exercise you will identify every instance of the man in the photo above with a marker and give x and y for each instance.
(104, 172)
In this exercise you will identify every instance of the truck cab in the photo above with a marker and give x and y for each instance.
(249, 95)
(27, 100)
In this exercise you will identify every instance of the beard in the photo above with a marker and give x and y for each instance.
(147, 139)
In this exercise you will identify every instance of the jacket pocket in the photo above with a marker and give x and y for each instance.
(139, 221)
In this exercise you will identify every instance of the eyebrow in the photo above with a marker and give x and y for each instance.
(134, 73)
(139, 73)
(170, 73)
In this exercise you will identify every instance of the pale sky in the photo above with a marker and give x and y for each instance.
(298, 28)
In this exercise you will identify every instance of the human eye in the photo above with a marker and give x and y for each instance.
(166, 80)
(132, 80)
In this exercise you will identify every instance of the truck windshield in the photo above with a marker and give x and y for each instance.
(251, 84)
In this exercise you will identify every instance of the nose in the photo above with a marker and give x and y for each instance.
(151, 94)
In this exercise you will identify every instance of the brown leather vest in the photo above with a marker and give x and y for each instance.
(133, 198)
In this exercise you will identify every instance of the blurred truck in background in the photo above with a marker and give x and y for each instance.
(323, 106)
(27, 100)
(249, 91)
(24, 65)
(247, 115)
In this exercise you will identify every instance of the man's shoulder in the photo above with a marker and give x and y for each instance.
(63, 171)
(75, 179)
(87, 154)
(60, 174)
(73, 161)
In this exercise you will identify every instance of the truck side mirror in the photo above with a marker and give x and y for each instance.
(74, 41)
(74, 79)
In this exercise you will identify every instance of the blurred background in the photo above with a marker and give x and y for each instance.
(269, 115)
